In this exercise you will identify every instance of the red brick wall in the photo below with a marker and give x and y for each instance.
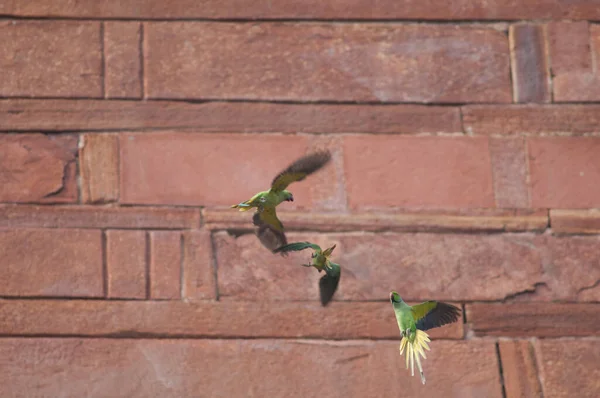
(466, 168)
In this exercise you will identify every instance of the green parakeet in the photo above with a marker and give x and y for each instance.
(270, 229)
(320, 260)
(413, 321)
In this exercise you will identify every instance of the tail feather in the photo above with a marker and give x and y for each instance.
(414, 351)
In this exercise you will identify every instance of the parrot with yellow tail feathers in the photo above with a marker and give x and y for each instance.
(270, 229)
(413, 321)
(320, 260)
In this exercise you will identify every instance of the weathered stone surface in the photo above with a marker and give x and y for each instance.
(99, 168)
(199, 273)
(50, 59)
(530, 74)
(326, 62)
(166, 249)
(491, 220)
(32, 216)
(466, 267)
(533, 119)
(569, 45)
(51, 262)
(122, 48)
(309, 9)
(569, 368)
(519, 369)
(207, 169)
(509, 169)
(265, 368)
(126, 264)
(224, 318)
(226, 116)
(533, 319)
(38, 168)
(429, 172)
(575, 221)
(564, 172)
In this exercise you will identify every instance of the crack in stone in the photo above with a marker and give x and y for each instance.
(526, 292)
(63, 183)
(590, 287)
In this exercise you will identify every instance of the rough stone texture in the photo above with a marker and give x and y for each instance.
(533, 319)
(224, 318)
(187, 368)
(208, 169)
(165, 264)
(569, 368)
(532, 119)
(198, 266)
(126, 264)
(530, 75)
(326, 62)
(466, 267)
(38, 168)
(99, 168)
(122, 49)
(430, 172)
(29, 216)
(490, 220)
(565, 172)
(227, 116)
(510, 172)
(309, 9)
(51, 262)
(575, 221)
(569, 45)
(519, 369)
(50, 59)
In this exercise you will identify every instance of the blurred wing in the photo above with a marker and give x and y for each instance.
(270, 237)
(301, 168)
(328, 284)
(268, 215)
(433, 314)
(297, 246)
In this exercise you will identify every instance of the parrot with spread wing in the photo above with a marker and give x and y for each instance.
(270, 229)
(413, 321)
(320, 260)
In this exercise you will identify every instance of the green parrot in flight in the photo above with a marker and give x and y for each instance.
(413, 321)
(270, 229)
(320, 260)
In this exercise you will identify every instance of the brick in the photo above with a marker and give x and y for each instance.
(569, 367)
(467, 267)
(165, 264)
(575, 221)
(126, 264)
(216, 319)
(32, 216)
(490, 220)
(532, 119)
(519, 369)
(55, 262)
(533, 319)
(99, 168)
(433, 172)
(164, 168)
(564, 172)
(199, 274)
(122, 49)
(326, 62)
(530, 75)
(569, 45)
(50, 59)
(21, 114)
(310, 9)
(509, 169)
(183, 368)
(38, 168)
